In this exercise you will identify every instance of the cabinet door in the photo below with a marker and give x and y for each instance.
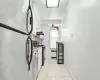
(39, 58)
(37, 63)
(34, 66)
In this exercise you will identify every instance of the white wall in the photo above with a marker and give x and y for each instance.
(81, 37)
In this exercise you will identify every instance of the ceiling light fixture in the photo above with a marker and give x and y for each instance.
(52, 3)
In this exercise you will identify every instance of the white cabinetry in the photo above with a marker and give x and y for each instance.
(35, 65)
(36, 62)
(39, 58)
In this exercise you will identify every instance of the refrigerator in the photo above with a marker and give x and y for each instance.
(13, 64)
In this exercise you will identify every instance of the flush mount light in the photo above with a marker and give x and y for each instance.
(52, 3)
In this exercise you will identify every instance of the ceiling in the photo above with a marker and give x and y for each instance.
(51, 13)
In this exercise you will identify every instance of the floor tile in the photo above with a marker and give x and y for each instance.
(49, 78)
(63, 78)
(53, 71)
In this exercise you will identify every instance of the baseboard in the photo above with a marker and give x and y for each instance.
(70, 72)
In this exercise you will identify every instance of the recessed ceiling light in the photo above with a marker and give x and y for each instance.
(52, 3)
